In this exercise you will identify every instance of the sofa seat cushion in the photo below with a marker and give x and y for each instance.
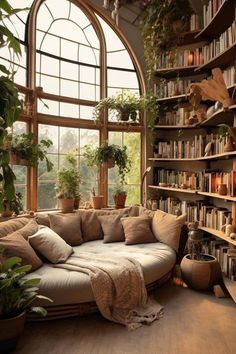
(69, 287)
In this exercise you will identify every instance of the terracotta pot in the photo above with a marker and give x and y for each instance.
(67, 205)
(14, 159)
(98, 201)
(23, 162)
(7, 212)
(10, 330)
(119, 200)
(76, 203)
(201, 274)
(229, 146)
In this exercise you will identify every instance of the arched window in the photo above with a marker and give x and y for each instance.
(79, 59)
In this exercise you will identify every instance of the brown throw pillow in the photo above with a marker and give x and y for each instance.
(43, 219)
(50, 245)
(9, 226)
(167, 228)
(112, 228)
(29, 229)
(68, 227)
(91, 226)
(15, 245)
(137, 230)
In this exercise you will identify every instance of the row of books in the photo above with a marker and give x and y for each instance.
(170, 205)
(190, 148)
(229, 75)
(175, 117)
(171, 87)
(202, 181)
(220, 44)
(195, 22)
(180, 58)
(210, 9)
(225, 255)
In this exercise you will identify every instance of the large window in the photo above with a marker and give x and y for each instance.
(79, 59)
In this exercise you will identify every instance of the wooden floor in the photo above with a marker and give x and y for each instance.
(193, 323)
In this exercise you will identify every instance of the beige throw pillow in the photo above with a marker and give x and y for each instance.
(137, 230)
(15, 245)
(50, 245)
(9, 226)
(68, 227)
(112, 228)
(167, 228)
(29, 229)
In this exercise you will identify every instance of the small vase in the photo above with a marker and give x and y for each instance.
(229, 146)
(222, 189)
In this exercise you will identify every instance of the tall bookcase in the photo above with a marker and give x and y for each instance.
(219, 16)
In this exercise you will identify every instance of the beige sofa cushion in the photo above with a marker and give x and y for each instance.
(112, 228)
(29, 229)
(9, 226)
(137, 230)
(15, 245)
(167, 228)
(91, 226)
(43, 219)
(50, 245)
(68, 226)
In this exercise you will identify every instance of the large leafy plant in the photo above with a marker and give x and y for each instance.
(10, 105)
(17, 293)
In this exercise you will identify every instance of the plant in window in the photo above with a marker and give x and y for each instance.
(161, 26)
(14, 205)
(24, 149)
(68, 184)
(119, 195)
(10, 104)
(127, 106)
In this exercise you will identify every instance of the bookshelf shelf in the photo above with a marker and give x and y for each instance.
(170, 189)
(219, 117)
(183, 97)
(225, 155)
(220, 22)
(231, 287)
(217, 233)
(222, 60)
(216, 195)
(173, 72)
(175, 126)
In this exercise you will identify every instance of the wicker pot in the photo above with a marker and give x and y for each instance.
(98, 201)
(10, 330)
(119, 200)
(67, 205)
(201, 274)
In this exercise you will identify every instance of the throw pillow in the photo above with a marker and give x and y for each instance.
(43, 219)
(9, 226)
(167, 228)
(137, 230)
(15, 245)
(68, 227)
(50, 245)
(145, 211)
(29, 229)
(91, 226)
(112, 228)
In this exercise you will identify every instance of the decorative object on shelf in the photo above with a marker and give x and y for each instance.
(119, 196)
(222, 189)
(25, 151)
(230, 133)
(213, 89)
(161, 29)
(68, 183)
(16, 297)
(229, 227)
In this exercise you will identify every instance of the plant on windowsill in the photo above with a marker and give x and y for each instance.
(126, 106)
(12, 206)
(16, 296)
(68, 184)
(119, 196)
(24, 151)
(162, 24)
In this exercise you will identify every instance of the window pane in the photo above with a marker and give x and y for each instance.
(69, 139)
(69, 110)
(50, 84)
(86, 112)
(69, 88)
(48, 107)
(87, 92)
(69, 70)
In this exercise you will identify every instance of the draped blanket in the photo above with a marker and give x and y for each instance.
(118, 288)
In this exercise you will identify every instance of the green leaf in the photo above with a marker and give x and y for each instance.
(6, 6)
(39, 310)
(44, 298)
(23, 269)
(10, 263)
(32, 282)
(4, 69)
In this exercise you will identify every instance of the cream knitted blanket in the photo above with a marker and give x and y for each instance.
(118, 288)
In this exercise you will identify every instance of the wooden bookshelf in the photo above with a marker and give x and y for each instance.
(218, 196)
(183, 97)
(219, 117)
(220, 22)
(169, 73)
(157, 126)
(230, 286)
(222, 156)
(218, 234)
(170, 189)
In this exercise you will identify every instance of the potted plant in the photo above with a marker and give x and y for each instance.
(160, 28)
(10, 104)
(119, 196)
(126, 106)
(229, 134)
(25, 151)
(12, 206)
(68, 183)
(16, 297)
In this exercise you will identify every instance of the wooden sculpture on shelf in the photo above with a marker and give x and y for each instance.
(212, 89)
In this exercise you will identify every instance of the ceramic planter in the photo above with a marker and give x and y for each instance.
(10, 330)
(98, 201)
(119, 200)
(67, 205)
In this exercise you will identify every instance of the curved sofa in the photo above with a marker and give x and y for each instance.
(71, 291)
